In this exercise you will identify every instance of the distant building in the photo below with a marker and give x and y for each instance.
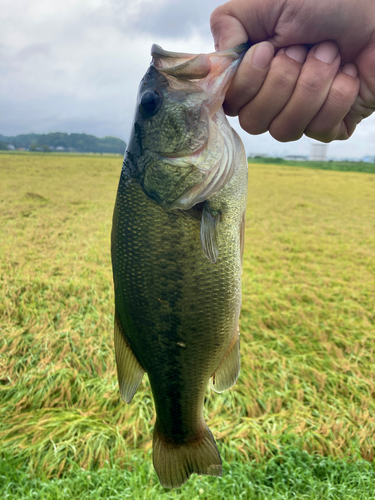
(11, 147)
(318, 152)
(60, 148)
(369, 159)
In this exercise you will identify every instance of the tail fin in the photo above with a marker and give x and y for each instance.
(174, 463)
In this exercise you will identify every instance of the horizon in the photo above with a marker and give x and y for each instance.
(248, 153)
(61, 132)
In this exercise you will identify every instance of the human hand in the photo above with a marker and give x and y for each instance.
(297, 91)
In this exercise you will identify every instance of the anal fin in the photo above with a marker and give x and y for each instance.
(210, 233)
(129, 371)
(227, 373)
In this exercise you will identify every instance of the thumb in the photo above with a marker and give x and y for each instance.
(227, 30)
(239, 21)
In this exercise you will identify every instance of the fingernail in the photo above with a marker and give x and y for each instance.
(326, 52)
(351, 70)
(296, 52)
(263, 55)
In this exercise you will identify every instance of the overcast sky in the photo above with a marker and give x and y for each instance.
(74, 66)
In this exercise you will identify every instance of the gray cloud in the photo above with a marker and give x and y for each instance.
(75, 66)
(168, 19)
(34, 51)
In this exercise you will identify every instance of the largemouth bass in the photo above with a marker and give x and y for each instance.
(177, 243)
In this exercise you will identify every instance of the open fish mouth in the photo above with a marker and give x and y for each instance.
(192, 66)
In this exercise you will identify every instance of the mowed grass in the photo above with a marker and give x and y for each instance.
(300, 422)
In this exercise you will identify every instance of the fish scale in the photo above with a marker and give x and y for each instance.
(164, 302)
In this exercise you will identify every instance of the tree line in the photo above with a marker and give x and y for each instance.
(60, 142)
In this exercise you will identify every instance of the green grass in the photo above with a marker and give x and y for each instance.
(307, 382)
(291, 474)
(338, 166)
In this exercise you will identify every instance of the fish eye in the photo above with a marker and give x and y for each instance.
(150, 103)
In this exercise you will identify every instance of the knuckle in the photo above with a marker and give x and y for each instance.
(217, 15)
(367, 107)
(284, 80)
(250, 124)
(313, 82)
(348, 127)
(215, 21)
(341, 98)
(321, 135)
(367, 90)
(281, 133)
(230, 109)
(343, 92)
(218, 23)
(283, 75)
(362, 109)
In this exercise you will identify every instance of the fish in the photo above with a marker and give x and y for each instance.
(176, 245)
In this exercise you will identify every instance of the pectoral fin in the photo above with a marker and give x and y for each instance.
(210, 233)
(129, 371)
(227, 373)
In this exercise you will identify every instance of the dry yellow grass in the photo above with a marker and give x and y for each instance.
(307, 327)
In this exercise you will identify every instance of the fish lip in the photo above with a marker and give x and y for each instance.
(156, 50)
(159, 51)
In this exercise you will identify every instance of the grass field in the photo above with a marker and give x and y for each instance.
(337, 166)
(300, 423)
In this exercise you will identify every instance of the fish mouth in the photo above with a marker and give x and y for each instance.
(203, 73)
(184, 66)
(157, 51)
